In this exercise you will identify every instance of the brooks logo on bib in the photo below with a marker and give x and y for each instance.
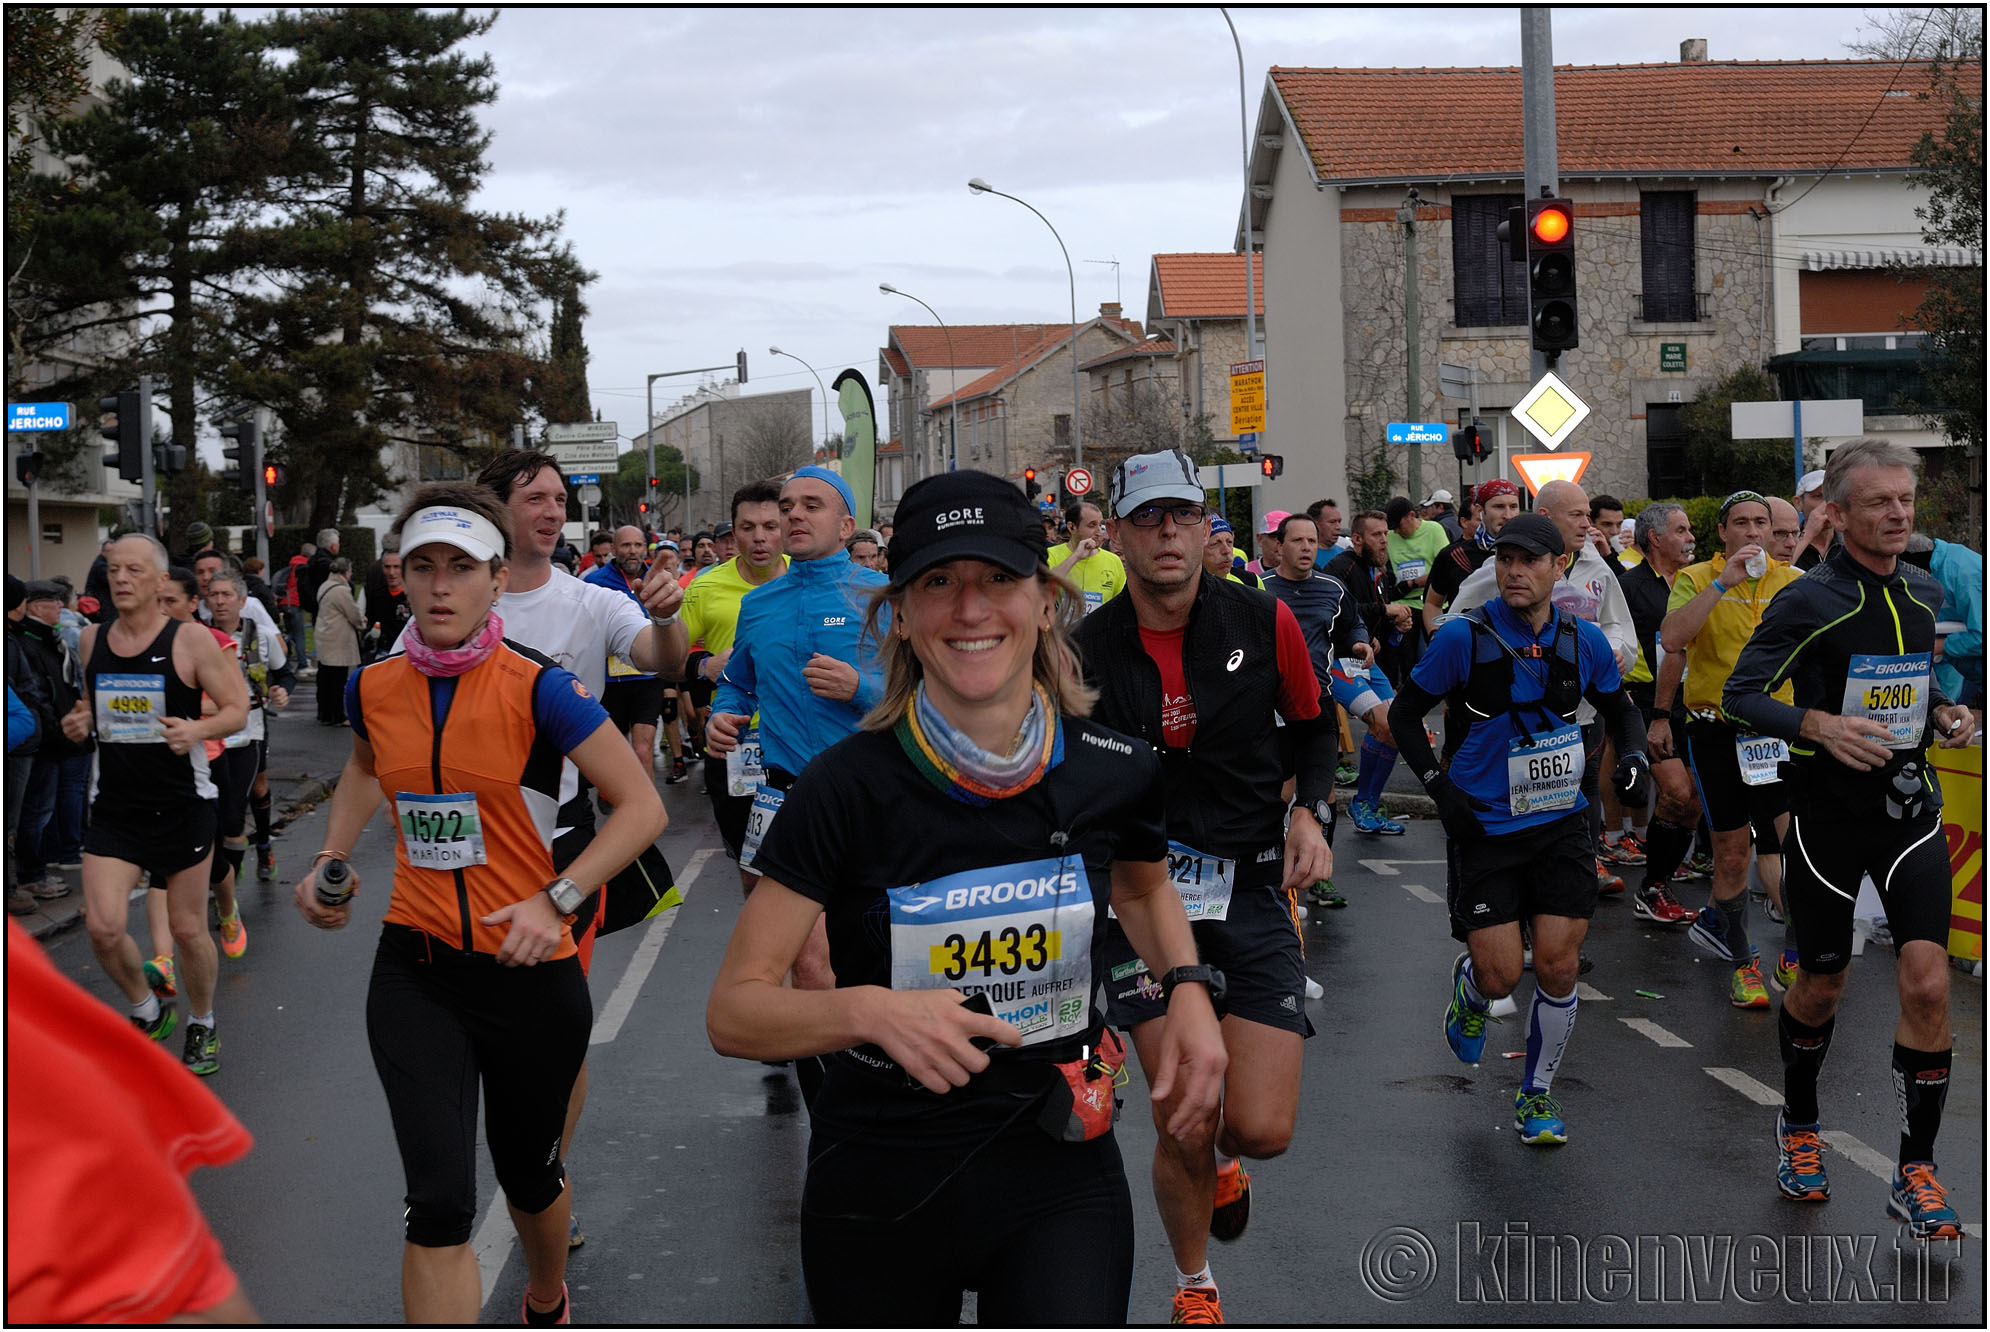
(1204, 882)
(440, 832)
(1546, 775)
(1892, 691)
(1021, 934)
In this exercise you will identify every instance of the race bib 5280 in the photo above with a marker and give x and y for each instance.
(1021, 934)
(1892, 691)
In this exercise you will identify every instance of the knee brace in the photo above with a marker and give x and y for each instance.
(669, 708)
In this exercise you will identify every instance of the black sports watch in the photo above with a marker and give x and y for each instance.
(1322, 812)
(1202, 972)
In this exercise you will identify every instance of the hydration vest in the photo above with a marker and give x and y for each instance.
(1488, 690)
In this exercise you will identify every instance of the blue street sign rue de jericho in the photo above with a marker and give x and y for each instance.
(1419, 432)
(37, 416)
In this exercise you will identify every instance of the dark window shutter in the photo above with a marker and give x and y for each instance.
(1665, 229)
(1488, 290)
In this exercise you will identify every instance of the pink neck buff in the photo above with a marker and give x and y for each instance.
(451, 661)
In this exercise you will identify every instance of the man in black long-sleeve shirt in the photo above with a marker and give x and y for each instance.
(1370, 579)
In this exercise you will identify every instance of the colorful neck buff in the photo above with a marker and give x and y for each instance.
(965, 771)
(1483, 537)
(451, 661)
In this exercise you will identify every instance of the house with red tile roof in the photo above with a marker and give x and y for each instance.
(920, 363)
(1010, 415)
(1725, 212)
(1197, 302)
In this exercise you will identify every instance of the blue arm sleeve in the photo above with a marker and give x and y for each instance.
(352, 709)
(564, 710)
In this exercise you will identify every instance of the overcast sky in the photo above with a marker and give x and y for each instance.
(747, 177)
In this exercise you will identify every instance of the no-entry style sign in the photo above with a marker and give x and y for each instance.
(1078, 481)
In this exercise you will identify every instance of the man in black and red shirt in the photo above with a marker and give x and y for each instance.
(1202, 669)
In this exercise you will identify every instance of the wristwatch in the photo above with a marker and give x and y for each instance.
(566, 895)
(1322, 812)
(1200, 971)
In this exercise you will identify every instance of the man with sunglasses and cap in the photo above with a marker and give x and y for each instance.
(1203, 670)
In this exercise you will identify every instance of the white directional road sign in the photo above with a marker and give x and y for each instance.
(1822, 418)
(586, 452)
(574, 432)
(1550, 412)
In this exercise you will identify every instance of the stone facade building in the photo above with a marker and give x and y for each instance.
(1197, 302)
(1685, 179)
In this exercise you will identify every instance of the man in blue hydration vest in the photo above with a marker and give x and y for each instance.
(1512, 804)
(801, 660)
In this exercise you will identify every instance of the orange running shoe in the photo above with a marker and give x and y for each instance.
(1233, 1202)
(1197, 1306)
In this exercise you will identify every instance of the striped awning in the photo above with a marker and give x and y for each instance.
(1925, 256)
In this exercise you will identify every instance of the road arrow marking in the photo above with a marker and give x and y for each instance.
(1656, 1034)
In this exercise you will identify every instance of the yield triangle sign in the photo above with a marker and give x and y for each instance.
(1538, 469)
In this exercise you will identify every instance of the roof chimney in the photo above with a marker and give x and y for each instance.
(1693, 51)
(1108, 309)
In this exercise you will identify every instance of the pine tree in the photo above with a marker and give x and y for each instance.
(398, 313)
(563, 395)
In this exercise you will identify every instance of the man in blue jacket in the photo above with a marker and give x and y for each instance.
(801, 660)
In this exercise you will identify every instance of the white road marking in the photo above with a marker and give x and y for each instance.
(1589, 994)
(1656, 1034)
(1423, 894)
(623, 1000)
(1746, 1085)
(1860, 1155)
(495, 1234)
(1389, 866)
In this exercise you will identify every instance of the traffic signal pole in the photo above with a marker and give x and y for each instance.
(148, 483)
(1537, 116)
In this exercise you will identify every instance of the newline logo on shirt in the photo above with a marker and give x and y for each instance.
(1116, 746)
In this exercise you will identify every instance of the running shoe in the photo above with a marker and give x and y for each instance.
(1324, 894)
(1711, 933)
(1786, 969)
(159, 975)
(575, 1235)
(1233, 1202)
(1699, 866)
(1369, 818)
(1918, 1200)
(265, 862)
(1774, 912)
(1608, 884)
(1800, 1162)
(1744, 989)
(51, 886)
(159, 1028)
(1347, 775)
(1538, 1116)
(234, 934)
(559, 1317)
(678, 772)
(1656, 904)
(20, 902)
(203, 1051)
(1623, 851)
(1197, 1306)
(1464, 1025)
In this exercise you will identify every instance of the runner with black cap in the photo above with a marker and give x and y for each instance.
(964, 1122)
(1512, 804)
(1203, 670)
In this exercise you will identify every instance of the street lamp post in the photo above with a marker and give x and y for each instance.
(953, 375)
(776, 351)
(980, 186)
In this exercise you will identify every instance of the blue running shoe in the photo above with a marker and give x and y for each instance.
(1918, 1200)
(1538, 1116)
(1368, 818)
(1710, 933)
(1464, 1025)
(1800, 1162)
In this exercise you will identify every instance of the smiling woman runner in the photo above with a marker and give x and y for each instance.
(965, 1115)
(476, 976)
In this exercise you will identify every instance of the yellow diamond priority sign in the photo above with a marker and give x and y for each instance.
(1550, 412)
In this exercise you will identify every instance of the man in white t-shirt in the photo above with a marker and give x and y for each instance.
(578, 625)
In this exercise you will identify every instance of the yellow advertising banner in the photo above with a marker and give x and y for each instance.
(1247, 397)
(1961, 774)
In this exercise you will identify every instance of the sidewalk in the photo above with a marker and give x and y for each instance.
(304, 763)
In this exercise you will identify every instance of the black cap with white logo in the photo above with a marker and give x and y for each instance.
(964, 516)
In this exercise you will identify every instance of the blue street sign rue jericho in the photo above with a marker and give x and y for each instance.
(37, 416)
(1419, 432)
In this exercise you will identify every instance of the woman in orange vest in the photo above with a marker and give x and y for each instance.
(476, 976)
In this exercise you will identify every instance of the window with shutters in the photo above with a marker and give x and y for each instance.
(1488, 288)
(1665, 231)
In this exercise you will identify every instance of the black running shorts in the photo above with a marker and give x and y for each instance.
(1258, 948)
(1730, 803)
(730, 812)
(632, 703)
(1832, 845)
(1544, 871)
(164, 843)
(441, 1022)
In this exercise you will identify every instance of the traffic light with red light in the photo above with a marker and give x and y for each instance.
(1030, 486)
(1470, 444)
(1551, 307)
(274, 475)
(1272, 466)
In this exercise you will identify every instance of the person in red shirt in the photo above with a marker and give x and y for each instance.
(103, 1128)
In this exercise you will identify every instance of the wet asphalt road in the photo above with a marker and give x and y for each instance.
(1406, 1197)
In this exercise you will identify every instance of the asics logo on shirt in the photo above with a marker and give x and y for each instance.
(1236, 660)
